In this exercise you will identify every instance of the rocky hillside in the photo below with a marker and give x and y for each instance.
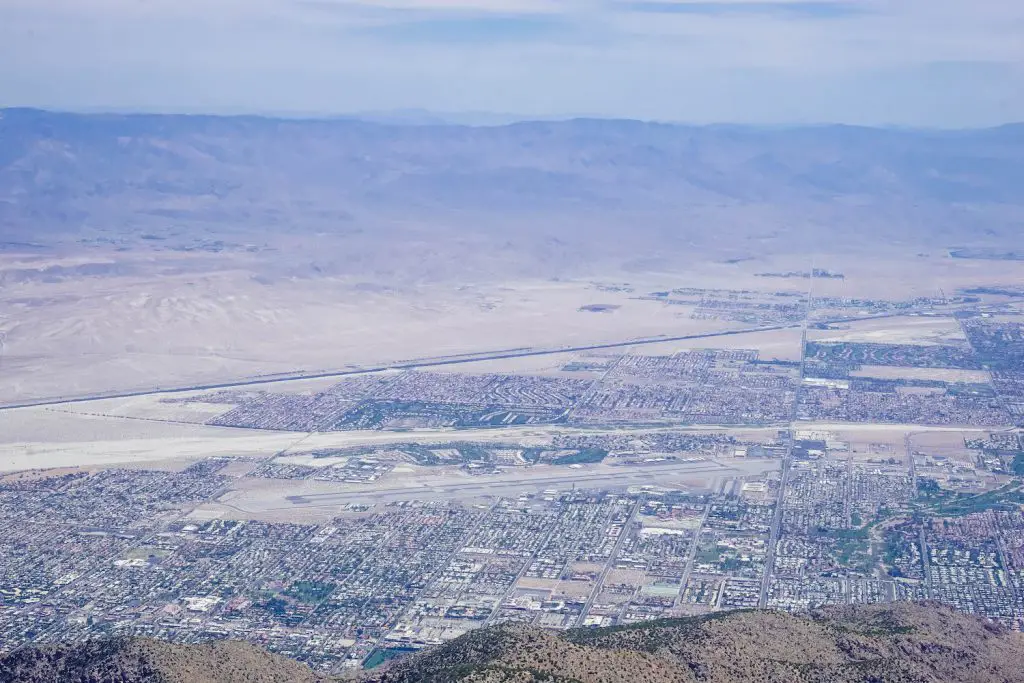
(891, 643)
(877, 644)
(142, 660)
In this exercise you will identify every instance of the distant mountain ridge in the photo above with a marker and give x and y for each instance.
(231, 182)
(892, 643)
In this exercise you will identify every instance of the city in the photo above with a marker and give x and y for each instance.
(518, 341)
(348, 520)
(794, 519)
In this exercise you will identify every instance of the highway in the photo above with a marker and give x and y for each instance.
(431, 362)
(399, 365)
(440, 362)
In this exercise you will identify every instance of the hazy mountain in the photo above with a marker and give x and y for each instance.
(426, 117)
(561, 191)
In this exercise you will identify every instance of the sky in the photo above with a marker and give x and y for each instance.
(934, 63)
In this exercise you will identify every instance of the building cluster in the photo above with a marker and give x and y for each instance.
(711, 386)
(697, 387)
(824, 552)
(896, 403)
(736, 305)
(968, 563)
(831, 392)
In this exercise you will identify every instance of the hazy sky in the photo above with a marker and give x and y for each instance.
(912, 62)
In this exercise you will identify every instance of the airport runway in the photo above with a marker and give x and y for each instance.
(507, 483)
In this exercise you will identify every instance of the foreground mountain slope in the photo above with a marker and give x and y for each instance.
(901, 643)
(142, 660)
(892, 643)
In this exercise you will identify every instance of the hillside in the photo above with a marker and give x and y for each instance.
(141, 660)
(892, 643)
(902, 643)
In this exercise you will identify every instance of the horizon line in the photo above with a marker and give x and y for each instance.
(393, 118)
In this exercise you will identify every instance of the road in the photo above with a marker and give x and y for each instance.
(425, 363)
(400, 365)
(691, 556)
(926, 562)
(912, 467)
(609, 564)
(773, 540)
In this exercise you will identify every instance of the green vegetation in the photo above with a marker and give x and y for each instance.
(895, 547)
(497, 673)
(1017, 467)
(842, 534)
(381, 655)
(309, 591)
(854, 554)
(709, 555)
(421, 454)
(532, 455)
(851, 546)
(929, 490)
(276, 606)
(970, 389)
(424, 454)
(731, 564)
(951, 504)
(472, 452)
(585, 455)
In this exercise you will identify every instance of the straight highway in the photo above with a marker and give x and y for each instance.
(424, 363)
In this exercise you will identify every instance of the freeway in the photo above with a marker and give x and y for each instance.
(399, 365)
(441, 361)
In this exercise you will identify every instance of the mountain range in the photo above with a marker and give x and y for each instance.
(530, 188)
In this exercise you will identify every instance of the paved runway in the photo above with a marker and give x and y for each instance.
(507, 483)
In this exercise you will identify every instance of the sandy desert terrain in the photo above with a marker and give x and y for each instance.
(199, 322)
